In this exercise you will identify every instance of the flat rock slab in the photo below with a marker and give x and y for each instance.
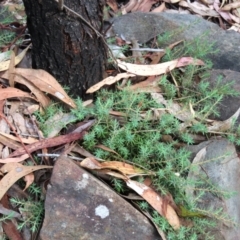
(79, 206)
(144, 26)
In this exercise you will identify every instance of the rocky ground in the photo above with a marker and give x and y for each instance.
(69, 188)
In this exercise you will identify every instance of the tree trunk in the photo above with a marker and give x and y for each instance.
(64, 45)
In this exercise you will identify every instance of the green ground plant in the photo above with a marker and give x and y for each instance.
(31, 209)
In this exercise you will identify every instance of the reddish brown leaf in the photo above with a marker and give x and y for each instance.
(13, 92)
(49, 142)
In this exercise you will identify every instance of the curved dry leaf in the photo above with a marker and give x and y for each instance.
(230, 6)
(108, 81)
(145, 5)
(91, 163)
(157, 69)
(174, 108)
(57, 122)
(222, 126)
(112, 173)
(160, 8)
(122, 167)
(105, 148)
(16, 160)
(46, 83)
(131, 5)
(224, 15)
(148, 86)
(5, 65)
(235, 19)
(13, 92)
(28, 140)
(199, 8)
(29, 179)
(112, 4)
(82, 151)
(15, 171)
(41, 97)
(235, 28)
(156, 201)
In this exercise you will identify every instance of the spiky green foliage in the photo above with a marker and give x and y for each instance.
(31, 209)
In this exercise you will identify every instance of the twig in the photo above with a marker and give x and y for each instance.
(54, 155)
(148, 49)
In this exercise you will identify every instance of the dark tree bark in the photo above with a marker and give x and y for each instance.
(65, 46)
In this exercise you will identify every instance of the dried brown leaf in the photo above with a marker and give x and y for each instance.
(222, 126)
(29, 179)
(15, 171)
(46, 83)
(156, 201)
(91, 163)
(28, 140)
(174, 108)
(82, 151)
(13, 92)
(105, 148)
(224, 15)
(124, 168)
(17, 159)
(112, 4)
(160, 8)
(157, 69)
(199, 8)
(230, 6)
(150, 85)
(5, 65)
(108, 81)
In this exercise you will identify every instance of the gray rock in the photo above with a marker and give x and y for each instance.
(221, 166)
(229, 105)
(144, 26)
(79, 206)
